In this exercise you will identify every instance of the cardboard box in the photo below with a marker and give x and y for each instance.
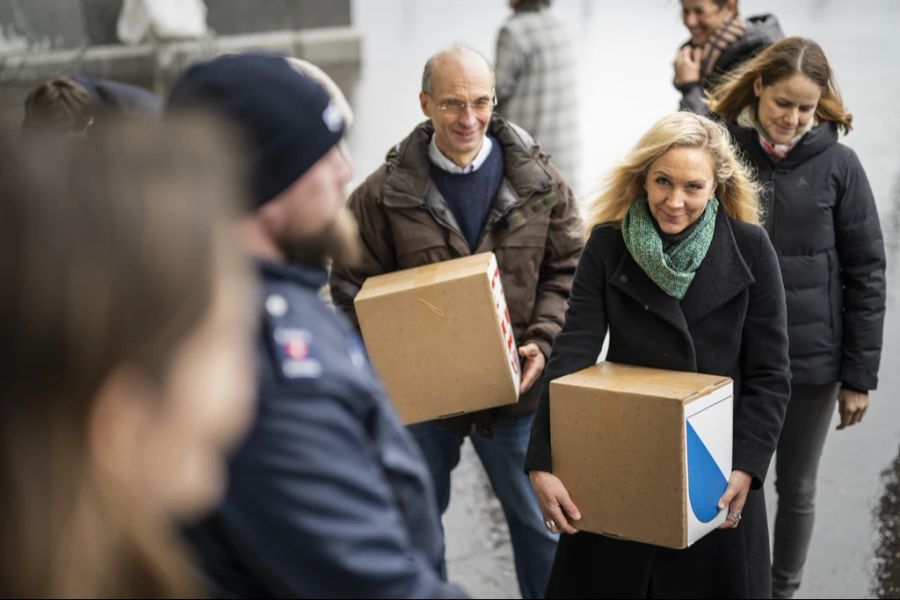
(441, 338)
(644, 453)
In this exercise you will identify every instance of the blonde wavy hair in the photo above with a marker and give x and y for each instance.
(736, 188)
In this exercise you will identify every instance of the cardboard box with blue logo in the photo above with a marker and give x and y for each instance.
(440, 337)
(644, 453)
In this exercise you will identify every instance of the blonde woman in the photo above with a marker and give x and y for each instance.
(126, 364)
(678, 272)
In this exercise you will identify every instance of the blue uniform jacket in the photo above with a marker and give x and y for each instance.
(328, 496)
(117, 98)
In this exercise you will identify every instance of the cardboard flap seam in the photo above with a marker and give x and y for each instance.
(434, 309)
(703, 392)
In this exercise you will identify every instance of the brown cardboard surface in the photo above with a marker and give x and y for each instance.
(434, 335)
(440, 272)
(617, 435)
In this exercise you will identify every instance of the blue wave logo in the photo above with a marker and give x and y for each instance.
(705, 480)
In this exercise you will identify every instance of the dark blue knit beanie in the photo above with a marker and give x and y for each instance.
(288, 120)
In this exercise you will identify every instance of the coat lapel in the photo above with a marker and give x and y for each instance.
(722, 275)
(631, 279)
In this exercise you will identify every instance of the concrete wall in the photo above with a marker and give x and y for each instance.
(237, 16)
(41, 38)
(63, 24)
(41, 24)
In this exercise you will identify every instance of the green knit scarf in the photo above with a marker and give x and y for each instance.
(673, 269)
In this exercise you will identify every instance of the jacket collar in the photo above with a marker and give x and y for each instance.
(631, 279)
(408, 181)
(441, 161)
(762, 30)
(722, 275)
(820, 138)
(302, 275)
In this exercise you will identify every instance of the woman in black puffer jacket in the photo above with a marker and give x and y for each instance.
(784, 113)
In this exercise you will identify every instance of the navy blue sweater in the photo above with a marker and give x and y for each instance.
(470, 195)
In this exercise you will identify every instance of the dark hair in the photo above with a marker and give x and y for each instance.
(61, 104)
(531, 4)
(781, 60)
(107, 252)
(722, 3)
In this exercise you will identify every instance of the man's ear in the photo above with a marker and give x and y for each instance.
(423, 102)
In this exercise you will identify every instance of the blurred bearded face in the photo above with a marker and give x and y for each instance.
(339, 241)
(309, 220)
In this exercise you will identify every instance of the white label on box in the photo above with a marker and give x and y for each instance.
(503, 317)
(708, 447)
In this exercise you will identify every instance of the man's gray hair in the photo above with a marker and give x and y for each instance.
(429, 64)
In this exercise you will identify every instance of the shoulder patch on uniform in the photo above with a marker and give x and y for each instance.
(297, 357)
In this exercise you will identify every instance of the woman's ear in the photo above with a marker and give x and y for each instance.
(712, 192)
(120, 417)
(757, 86)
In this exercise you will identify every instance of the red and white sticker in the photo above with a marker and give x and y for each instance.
(503, 317)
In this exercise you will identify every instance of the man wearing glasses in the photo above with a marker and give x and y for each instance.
(463, 182)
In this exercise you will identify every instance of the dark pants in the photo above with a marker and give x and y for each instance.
(806, 425)
(503, 456)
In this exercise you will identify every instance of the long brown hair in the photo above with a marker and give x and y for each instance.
(781, 60)
(107, 247)
(735, 187)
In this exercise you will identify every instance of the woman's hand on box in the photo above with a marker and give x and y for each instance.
(557, 508)
(533, 367)
(734, 498)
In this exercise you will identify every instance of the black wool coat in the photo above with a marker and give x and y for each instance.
(732, 321)
(820, 214)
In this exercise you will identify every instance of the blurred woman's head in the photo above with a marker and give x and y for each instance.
(126, 367)
(710, 157)
(704, 17)
(60, 105)
(787, 84)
